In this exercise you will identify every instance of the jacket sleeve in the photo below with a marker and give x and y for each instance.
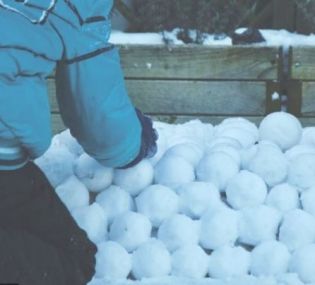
(89, 9)
(95, 106)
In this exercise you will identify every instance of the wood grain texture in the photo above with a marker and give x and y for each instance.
(303, 63)
(192, 97)
(308, 99)
(200, 62)
(58, 126)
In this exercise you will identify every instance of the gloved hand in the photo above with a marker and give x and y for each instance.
(148, 140)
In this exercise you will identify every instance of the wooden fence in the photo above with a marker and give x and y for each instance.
(211, 83)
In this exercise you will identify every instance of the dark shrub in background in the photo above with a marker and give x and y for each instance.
(204, 16)
(219, 17)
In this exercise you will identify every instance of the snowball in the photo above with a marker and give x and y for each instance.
(269, 163)
(173, 171)
(247, 156)
(269, 258)
(93, 220)
(191, 152)
(302, 262)
(282, 128)
(283, 197)
(135, 178)
(92, 174)
(258, 224)
(150, 260)
(157, 202)
(114, 201)
(217, 168)
(302, 171)
(73, 193)
(130, 229)
(196, 197)
(298, 150)
(161, 144)
(190, 261)
(192, 131)
(297, 229)
(178, 231)
(227, 149)
(218, 228)
(308, 200)
(239, 122)
(112, 261)
(243, 136)
(308, 136)
(66, 139)
(227, 262)
(223, 141)
(289, 279)
(249, 280)
(246, 189)
(57, 164)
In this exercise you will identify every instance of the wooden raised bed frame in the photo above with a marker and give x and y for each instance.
(176, 84)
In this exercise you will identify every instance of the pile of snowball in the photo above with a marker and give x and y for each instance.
(218, 201)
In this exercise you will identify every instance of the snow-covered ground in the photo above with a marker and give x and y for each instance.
(231, 204)
(272, 37)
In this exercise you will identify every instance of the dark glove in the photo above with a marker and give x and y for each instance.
(148, 140)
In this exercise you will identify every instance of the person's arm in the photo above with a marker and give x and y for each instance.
(92, 96)
(95, 106)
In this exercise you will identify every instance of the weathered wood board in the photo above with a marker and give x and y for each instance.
(179, 83)
(200, 62)
(58, 126)
(303, 63)
(308, 99)
(192, 97)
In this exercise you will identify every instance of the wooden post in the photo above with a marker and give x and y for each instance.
(284, 15)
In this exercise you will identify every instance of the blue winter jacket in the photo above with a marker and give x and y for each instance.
(71, 36)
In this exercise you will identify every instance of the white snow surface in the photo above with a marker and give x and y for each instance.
(130, 229)
(114, 201)
(93, 220)
(173, 231)
(273, 38)
(269, 258)
(228, 262)
(178, 231)
(190, 261)
(136, 178)
(158, 203)
(92, 174)
(112, 261)
(197, 197)
(246, 189)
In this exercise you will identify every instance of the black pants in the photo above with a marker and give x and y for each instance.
(40, 243)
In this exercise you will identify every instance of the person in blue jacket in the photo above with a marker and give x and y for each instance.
(39, 241)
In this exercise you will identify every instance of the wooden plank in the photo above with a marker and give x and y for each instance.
(52, 95)
(303, 63)
(308, 99)
(200, 62)
(193, 97)
(307, 121)
(57, 124)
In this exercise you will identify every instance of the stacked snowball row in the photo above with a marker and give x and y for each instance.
(209, 196)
